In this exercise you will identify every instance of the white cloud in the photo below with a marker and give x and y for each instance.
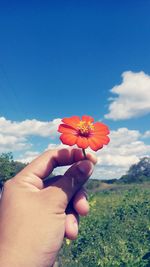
(56, 146)
(146, 134)
(133, 98)
(29, 127)
(28, 156)
(14, 135)
(12, 143)
(124, 149)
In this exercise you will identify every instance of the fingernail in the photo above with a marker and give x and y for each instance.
(86, 167)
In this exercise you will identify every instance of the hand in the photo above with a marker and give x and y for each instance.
(33, 215)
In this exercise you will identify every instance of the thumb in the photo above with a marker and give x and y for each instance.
(63, 188)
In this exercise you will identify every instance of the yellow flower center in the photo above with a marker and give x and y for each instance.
(85, 127)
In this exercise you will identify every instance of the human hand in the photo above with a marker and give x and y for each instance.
(33, 217)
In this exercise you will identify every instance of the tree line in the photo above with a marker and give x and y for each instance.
(139, 172)
(9, 167)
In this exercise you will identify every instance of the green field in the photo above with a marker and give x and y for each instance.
(116, 232)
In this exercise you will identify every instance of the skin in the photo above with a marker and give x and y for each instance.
(36, 215)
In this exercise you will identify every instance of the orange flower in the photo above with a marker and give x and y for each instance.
(83, 132)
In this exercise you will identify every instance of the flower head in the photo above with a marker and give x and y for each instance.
(83, 132)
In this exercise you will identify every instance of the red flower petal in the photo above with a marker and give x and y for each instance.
(73, 121)
(104, 139)
(63, 128)
(87, 118)
(82, 142)
(68, 139)
(95, 144)
(100, 127)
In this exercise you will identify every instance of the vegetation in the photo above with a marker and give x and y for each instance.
(8, 167)
(138, 172)
(116, 233)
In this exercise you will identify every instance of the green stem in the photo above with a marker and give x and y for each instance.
(83, 150)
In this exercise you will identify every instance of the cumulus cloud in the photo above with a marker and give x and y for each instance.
(12, 143)
(146, 134)
(133, 98)
(29, 127)
(125, 149)
(28, 156)
(15, 135)
(56, 146)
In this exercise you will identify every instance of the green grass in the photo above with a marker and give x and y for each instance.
(116, 232)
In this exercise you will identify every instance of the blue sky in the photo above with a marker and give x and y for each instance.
(62, 58)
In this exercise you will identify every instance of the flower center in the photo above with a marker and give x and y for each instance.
(85, 128)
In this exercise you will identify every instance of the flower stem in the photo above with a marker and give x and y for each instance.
(83, 150)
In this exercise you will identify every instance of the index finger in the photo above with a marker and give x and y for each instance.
(45, 163)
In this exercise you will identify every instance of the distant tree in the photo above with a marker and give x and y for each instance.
(138, 173)
(18, 166)
(8, 167)
(142, 168)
